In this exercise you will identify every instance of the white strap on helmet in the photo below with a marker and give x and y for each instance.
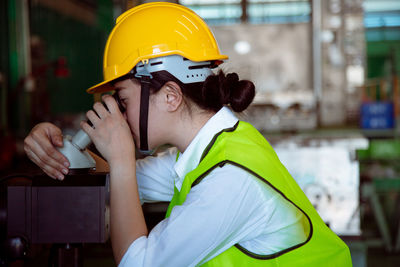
(183, 69)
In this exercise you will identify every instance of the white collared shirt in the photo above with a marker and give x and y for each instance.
(227, 207)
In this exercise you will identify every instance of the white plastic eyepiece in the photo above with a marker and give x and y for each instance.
(81, 140)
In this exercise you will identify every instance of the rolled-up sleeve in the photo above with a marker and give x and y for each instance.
(155, 176)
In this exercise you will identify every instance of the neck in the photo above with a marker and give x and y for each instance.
(188, 128)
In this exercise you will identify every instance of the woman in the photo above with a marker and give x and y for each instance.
(232, 203)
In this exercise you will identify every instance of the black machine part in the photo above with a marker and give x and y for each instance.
(45, 210)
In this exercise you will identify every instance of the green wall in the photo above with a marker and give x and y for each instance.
(383, 49)
(82, 46)
(4, 66)
(4, 41)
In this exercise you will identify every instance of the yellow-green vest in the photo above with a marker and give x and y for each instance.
(243, 146)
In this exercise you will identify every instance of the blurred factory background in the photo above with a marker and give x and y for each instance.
(328, 97)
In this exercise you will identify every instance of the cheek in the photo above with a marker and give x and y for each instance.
(157, 123)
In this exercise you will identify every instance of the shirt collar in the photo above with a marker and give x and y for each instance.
(189, 160)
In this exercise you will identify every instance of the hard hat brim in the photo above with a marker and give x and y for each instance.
(102, 87)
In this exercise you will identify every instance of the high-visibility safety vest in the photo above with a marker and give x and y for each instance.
(243, 146)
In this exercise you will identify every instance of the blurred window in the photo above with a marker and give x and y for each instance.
(251, 11)
(216, 12)
(272, 11)
(381, 13)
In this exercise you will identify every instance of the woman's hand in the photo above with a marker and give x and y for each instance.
(40, 146)
(113, 139)
(110, 132)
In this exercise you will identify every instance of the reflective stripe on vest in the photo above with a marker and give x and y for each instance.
(243, 146)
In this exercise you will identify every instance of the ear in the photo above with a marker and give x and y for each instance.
(173, 96)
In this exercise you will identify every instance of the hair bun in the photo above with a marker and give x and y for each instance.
(238, 93)
(215, 92)
(226, 85)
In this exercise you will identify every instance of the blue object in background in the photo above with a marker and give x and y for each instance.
(377, 115)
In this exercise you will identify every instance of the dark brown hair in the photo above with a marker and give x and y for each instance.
(215, 92)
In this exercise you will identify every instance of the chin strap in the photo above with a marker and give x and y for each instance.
(144, 112)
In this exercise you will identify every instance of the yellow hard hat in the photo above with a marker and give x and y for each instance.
(155, 30)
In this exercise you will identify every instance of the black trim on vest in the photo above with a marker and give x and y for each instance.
(207, 149)
(222, 163)
(242, 249)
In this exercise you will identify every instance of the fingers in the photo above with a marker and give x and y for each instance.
(111, 104)
(39, 149)
(93, 117)
(43, 145)
(55, 135)
(101, 110)
(53, 173)
(87, 128)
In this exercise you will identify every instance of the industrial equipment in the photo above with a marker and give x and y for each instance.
(36, 209)
(41, 210)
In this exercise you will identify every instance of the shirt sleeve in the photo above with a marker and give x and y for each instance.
(214, 217)
(155, 176)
